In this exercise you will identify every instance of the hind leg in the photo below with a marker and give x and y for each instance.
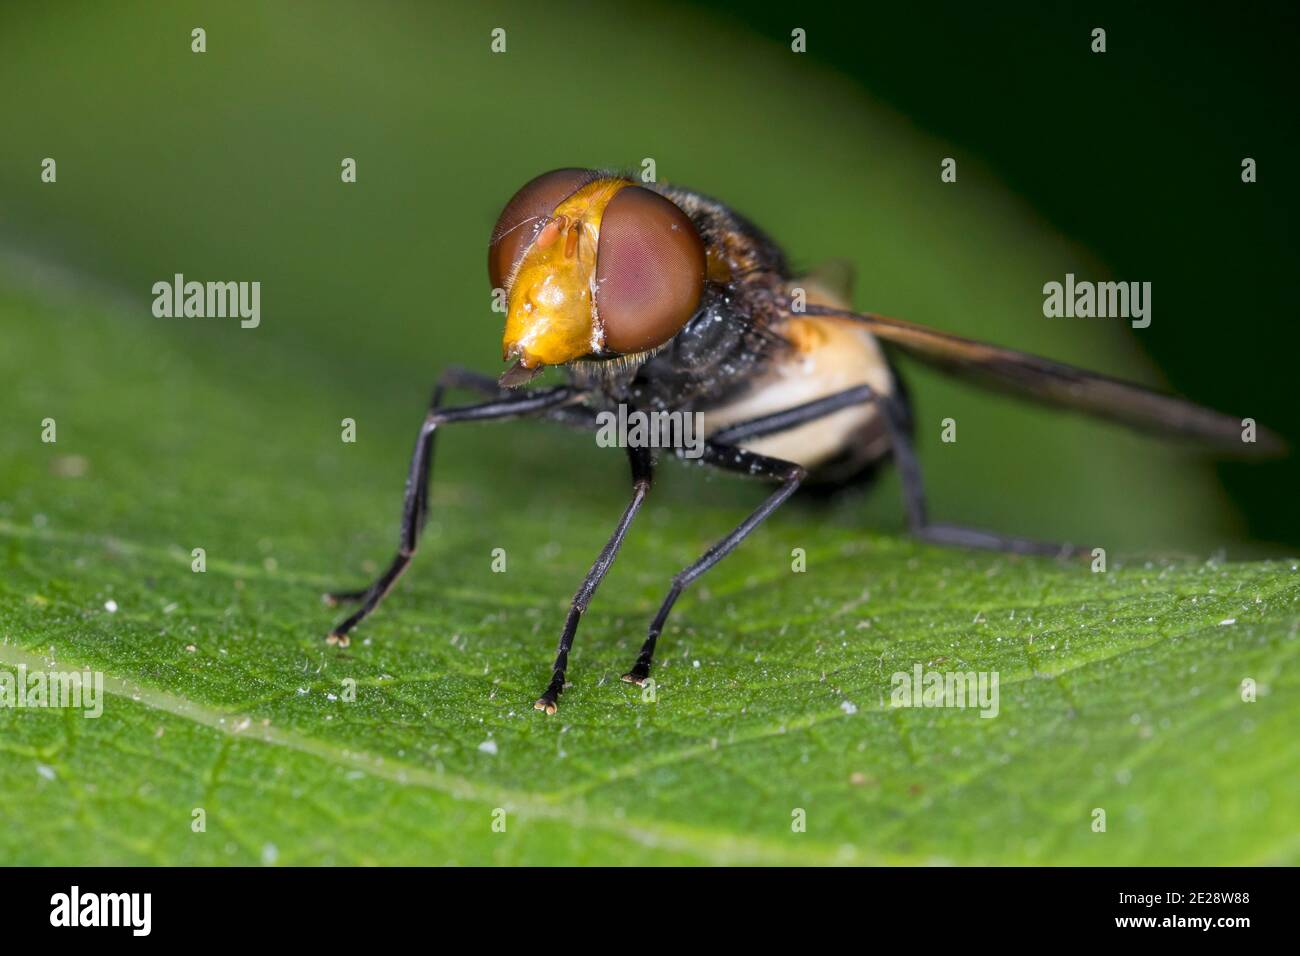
(914, 497)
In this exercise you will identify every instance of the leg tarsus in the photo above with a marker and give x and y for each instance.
(640, 671)
(963, 537)
(374, 594)
(549, 701)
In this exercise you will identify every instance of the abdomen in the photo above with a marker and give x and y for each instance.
(829, 355)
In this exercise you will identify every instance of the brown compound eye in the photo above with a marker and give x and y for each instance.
(649, 270)
(525, 215)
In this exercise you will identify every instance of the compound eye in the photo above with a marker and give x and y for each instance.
(524, 216)
(649, 270)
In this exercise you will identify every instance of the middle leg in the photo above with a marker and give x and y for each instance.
(729, 458)
(642, 472)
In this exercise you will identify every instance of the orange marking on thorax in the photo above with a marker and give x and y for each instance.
(806, 335)
(716, 268)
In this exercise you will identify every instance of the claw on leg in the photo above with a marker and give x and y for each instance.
(549, 701)
(637, 675)
(338, 640)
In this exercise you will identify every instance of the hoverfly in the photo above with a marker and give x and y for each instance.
(660, 299)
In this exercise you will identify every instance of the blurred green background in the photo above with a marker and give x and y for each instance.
(225, 165)
(175, 433)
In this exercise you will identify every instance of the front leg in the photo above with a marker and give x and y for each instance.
(415, 499)
(453, 377)
(729, 458)
(470, 381)
(642, 473)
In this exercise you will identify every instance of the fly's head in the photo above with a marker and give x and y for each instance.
(593, 266)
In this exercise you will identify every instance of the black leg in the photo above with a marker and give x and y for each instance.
(914, 500)
(453, 377)
(583, 419)
(909, 470)
(729, 458)
(462, 378)
(414, 505)
(642, 472)
(791, 417)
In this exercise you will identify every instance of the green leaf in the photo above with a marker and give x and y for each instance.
(1118, 690)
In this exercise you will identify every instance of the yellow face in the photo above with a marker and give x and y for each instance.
(552, 317)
